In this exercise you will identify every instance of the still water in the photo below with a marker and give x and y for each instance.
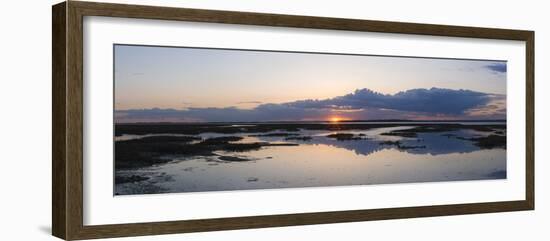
(323, 161)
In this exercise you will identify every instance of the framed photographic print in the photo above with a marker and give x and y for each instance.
(171, 120)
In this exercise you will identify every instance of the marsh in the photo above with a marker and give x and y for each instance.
(195, 119)
(168, 158)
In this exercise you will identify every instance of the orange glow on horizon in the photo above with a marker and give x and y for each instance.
(335, 119)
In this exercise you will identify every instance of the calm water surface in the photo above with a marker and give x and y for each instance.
(324, 161)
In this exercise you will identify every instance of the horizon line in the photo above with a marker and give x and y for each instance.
(319, 121)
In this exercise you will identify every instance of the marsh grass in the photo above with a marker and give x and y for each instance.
(154, 150)
(344, 137)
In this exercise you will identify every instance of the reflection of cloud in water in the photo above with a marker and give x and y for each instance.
(434, 143)
(441, 143)
(437, 143)
(324, 161)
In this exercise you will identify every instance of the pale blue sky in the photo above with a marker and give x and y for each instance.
(148, 77)
(183, 78)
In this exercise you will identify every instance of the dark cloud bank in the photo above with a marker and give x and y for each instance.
(498, 67)
(364, 104)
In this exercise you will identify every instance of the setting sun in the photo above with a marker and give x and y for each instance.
(268, 119)
(335, 119)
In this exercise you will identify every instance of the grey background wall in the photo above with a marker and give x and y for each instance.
(25, 122)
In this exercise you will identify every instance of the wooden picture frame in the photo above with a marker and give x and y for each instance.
(67, 159)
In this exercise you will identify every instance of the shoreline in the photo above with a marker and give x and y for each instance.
(153, 150)
(225, 128)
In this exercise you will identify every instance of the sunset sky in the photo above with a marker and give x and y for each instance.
(157, 84)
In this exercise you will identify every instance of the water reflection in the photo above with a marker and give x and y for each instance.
(324, 161)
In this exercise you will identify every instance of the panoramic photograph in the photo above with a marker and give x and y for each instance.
(205, 119)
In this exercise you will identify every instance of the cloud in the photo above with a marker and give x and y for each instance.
(496, 107)
(497, 67)
(434, 100)
(434, 103)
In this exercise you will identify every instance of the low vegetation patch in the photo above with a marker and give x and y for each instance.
(490, 141)
(299, 138)
(344, 136)
(145, 152)
(128, 179)
(278, 134)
